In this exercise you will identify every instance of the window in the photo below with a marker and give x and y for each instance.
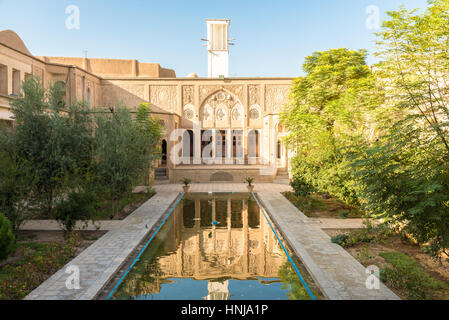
(219, 39)
(15, 82)
(88, 97)
(3, 79)
(61, 88)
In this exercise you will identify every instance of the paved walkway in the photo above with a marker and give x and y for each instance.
(333, 223)
(99, 262)
(338, 274)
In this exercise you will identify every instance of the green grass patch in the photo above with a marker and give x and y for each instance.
(409, 277)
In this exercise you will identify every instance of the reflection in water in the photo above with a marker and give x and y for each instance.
(193, 258)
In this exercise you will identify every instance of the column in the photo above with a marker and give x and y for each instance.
(214, 144)
(196, 143)
(9, 80)
(229, 148)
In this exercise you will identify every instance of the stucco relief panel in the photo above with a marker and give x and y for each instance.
(164, 97)
(276, 97)
(222, 109)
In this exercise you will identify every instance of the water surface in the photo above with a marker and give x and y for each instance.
(215, 247)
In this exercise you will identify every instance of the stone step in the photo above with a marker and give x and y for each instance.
(282, 181)
(160, 173)
(282, 173)
(159, 182)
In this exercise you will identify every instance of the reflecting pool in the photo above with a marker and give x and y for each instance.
(216, 247)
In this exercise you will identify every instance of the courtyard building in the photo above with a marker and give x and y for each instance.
(216, 129)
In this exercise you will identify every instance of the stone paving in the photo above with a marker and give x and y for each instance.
(102, 259)
(333, 223)
(337, 273)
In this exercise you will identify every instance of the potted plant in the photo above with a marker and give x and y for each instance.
(186, 182)
(250, 185)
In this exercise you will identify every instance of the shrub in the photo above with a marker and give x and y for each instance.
(302, 188)
(7, 238)
(368, 234)
(343, 214)
(78, 206)
(341, 239)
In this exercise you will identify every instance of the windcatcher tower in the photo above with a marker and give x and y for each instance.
(218, 47)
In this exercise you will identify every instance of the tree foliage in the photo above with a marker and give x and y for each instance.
(6, 238)
(62, 160)
(404, 175)
(387, 150)
(124, 148)
(329, 111)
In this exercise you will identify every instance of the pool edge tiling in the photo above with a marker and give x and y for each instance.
(98, 263)
(337, 273)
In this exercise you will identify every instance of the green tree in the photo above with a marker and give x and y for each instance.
(404, 175)
(152, 131)
(54, 139)
(331, 109)
(7, 239)
(122, 152)
(18, 199)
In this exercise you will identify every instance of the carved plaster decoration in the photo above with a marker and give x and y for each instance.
(187, 95)
(206, 91)
(164, 97)
(254, 113)
(206, 112)
(236, 113)
(221, 108)
(276, 97)
(221, 113)
(253, 94)
(189, 112)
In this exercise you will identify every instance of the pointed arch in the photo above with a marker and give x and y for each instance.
(218, 107)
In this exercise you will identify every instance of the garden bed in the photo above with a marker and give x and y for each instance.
(320, 206)
(405, 268)
(126, 206)
(38, 255)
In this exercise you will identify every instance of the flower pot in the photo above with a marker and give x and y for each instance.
(250, 188)
(186, 188)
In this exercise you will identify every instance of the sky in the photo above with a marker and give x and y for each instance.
(272, 37)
